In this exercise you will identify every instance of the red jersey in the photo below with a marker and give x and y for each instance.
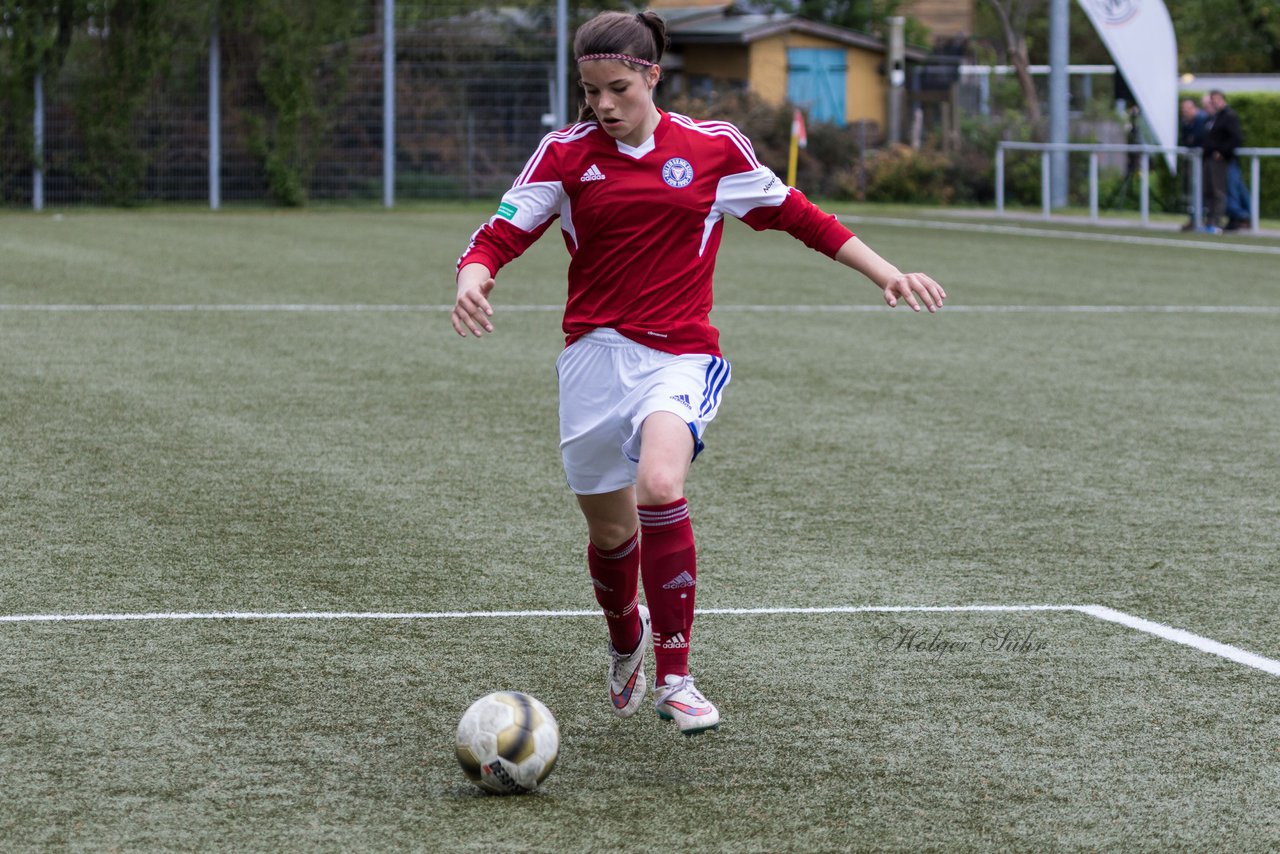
(643, 224)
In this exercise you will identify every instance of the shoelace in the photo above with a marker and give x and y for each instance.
(686, 685)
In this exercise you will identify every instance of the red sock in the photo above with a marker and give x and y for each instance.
(615, 577)
(668, 565)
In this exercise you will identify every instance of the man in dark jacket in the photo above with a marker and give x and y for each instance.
(1222, 138)
(1191, 128)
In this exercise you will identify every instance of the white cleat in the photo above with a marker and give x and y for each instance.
(626, 672)
(681, 702)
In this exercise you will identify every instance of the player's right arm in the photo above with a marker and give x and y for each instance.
(534, 201)
(471, 310)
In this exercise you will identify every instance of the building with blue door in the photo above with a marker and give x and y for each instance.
(837, 75)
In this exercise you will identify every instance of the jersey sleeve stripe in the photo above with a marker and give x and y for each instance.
(713, 127)
(738, 137)
(569, 134)
(723, 129)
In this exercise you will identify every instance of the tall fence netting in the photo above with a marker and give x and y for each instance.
(473, 93)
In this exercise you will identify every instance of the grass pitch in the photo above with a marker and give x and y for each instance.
(161, 457)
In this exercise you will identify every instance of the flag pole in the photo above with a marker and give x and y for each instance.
(798, 141)
(793, 158)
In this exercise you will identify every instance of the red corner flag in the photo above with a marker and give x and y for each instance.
(797, 129)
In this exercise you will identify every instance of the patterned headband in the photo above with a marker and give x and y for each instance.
(617, 57)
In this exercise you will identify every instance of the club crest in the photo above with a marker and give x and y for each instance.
(677, 172)
(1115, 12)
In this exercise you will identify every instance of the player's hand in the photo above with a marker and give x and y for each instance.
(907, 286)
(471, 310)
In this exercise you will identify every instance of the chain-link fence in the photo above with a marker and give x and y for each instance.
(473, 92)
(225, 114)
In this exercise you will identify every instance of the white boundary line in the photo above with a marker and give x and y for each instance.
(369, 308)
(1097, 237)
(1185, 638)
(1099, 612)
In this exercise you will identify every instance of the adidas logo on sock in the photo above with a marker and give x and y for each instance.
(675, 641)
(682, 399)
(600, 585)
(593, 174)
(682, 580)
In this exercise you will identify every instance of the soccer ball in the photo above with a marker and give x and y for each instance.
(507, 743)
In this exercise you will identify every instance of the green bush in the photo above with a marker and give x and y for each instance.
(899, 174)
(1260, 120)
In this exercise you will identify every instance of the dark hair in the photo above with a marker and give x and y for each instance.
(643, 35)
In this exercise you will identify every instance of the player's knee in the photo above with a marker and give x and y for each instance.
(660, 486)
(610, 535)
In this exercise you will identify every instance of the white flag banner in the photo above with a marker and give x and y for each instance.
(1139, 35)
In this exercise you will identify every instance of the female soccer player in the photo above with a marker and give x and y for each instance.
(641, 195)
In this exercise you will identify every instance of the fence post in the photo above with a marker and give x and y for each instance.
(562, 64)
(1197, 188)
(215, 117)
(37, 128)
(1045, 182)
(999, 178)
(1144, 183)
(1255, 191)
(388, 103)
(1093, 186)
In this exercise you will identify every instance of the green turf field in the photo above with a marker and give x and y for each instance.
(1086, 423)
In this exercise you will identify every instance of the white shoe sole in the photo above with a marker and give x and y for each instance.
(639, 686)
(693, 725)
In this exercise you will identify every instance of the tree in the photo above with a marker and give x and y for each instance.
(1227, 36)
(866, 16)
(36, 40)
(1012, 16)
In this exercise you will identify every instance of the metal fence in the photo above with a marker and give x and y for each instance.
(473, 93)
(1190, 158)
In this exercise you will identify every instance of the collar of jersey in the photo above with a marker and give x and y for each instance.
(664, 120)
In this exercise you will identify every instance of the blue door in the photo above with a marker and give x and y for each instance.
(816, 81)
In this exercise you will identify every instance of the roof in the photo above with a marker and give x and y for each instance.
(1230, 82)
(674, 15)
(697, 26)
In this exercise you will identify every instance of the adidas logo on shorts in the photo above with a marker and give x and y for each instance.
(593, 174)
(683, 400)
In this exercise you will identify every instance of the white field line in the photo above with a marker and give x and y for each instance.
(1099, 612)
(1013, 309)
(1092, 236)
(371, 308)
(451, 615)
(1183, 637)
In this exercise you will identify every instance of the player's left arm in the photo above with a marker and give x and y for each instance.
(754, 194)
(787, 209)
(912, 288)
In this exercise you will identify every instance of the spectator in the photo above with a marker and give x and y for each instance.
(1238, 201)
(1222, 138)
(1191, 130)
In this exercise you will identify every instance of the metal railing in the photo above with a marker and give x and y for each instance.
(1255, 156)
(1193, 156)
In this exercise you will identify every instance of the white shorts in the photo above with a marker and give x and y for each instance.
(609, 385)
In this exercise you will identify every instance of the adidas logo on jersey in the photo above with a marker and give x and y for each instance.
(683, 400)
(593, 174)
(682, 580)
